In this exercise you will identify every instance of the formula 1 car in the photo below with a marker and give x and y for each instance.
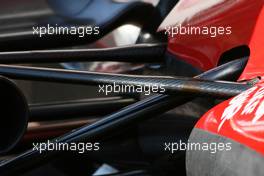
(190, 101)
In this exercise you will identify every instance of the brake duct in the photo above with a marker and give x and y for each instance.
(14, 115)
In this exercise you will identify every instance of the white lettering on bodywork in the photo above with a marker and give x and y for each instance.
(235, 105)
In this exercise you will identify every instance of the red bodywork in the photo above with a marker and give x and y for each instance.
(241, 118)
(204, 51)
